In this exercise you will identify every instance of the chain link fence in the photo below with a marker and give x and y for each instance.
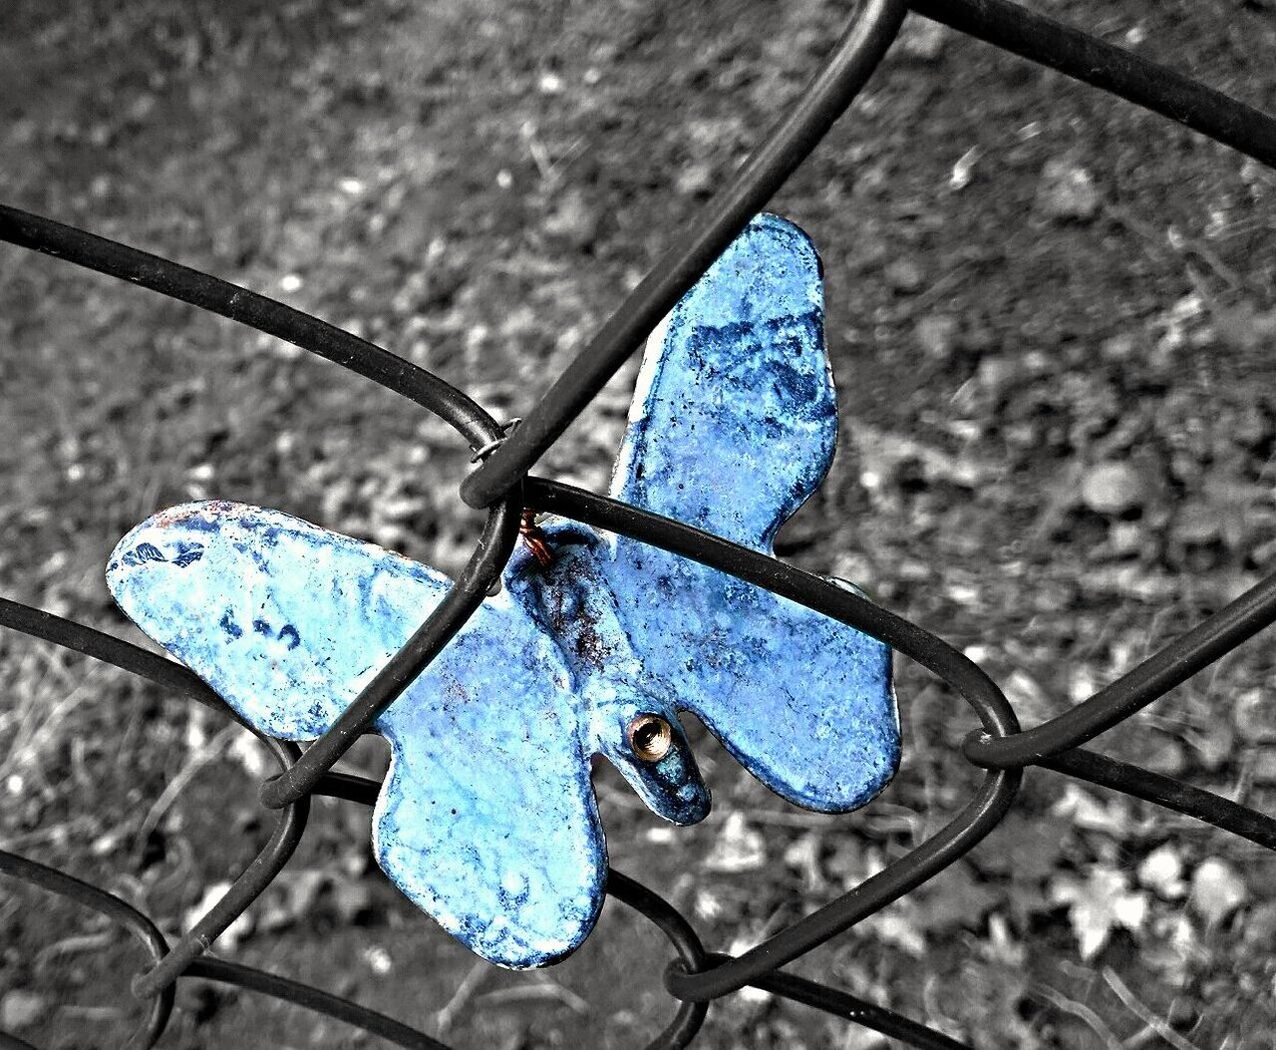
(502, 485)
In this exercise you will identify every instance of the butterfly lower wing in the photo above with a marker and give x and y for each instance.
(735, 419)
(496, 836)
(733, 427)
(801, 700)
(487, 821)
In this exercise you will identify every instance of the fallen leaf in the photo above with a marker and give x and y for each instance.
(739, 848)
(1098, 903)
(803, 856)
(898, 927)
(1087, 812)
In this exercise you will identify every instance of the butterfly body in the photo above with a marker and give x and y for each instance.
(488, 819)
(573, 602)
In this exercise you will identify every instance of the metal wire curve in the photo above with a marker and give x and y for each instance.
(119, 912)
(828, 95)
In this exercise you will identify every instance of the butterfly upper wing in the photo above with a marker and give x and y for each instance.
(733, 426)
(487, 820)
(286, 621)
(734, 420)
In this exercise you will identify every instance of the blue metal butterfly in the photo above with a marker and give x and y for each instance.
(488, 820)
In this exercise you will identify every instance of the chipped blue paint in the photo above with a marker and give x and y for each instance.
(488, 820)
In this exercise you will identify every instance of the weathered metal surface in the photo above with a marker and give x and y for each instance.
(488, 820)
(733, 426)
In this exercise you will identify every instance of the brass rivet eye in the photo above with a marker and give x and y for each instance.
(651, 737)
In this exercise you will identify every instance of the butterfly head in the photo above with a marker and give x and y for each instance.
(643, 739)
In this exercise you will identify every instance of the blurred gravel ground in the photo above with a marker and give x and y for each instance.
(1050, 317)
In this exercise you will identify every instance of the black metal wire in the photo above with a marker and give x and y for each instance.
(254, 310)
(1126, 74)
(1173, 665)
(80, 638)
(501, 482)
(483, 570)
(1167, 792)
(852, 1008)
(690, 1016)
(309, 333)
(788, 144)
(119, 912)
(259, 874)
(226, 972)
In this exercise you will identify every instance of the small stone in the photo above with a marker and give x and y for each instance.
(378, 960)
(573, 220)
(1113, 488)
(904, 275)
(695, 180)
(1067, 192)
(20, 1009)
(923, 39)
(1119, 348)
(1217, 890)
(938, 335)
